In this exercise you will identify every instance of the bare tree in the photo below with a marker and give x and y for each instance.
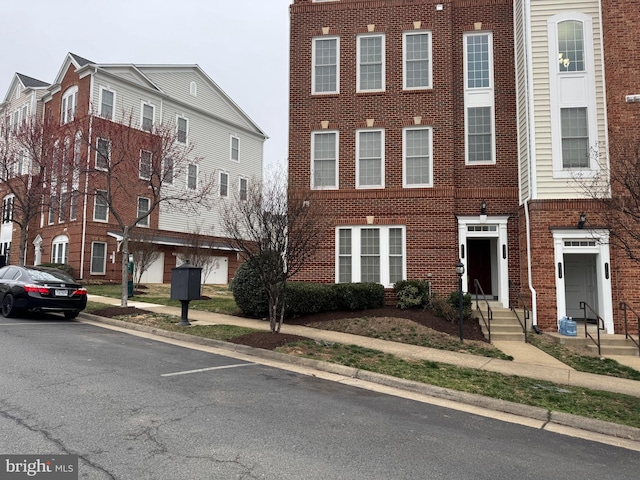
(27, 160)
(616, 190)
(277, 230)
(144, 251)
(129, 166)
(198, 253)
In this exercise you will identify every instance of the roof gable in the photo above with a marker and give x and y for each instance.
(23, 82)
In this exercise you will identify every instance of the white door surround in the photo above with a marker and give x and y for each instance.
(489, 227)
(593, 242)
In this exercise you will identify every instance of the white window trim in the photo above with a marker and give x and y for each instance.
(313, 64)
(382, 145)
(193, 89)
(153, 118)
(404, 157)
(95, 203)
(104, 260)
(337, 160)
(98, 154)
(140, 165)
(55, 246)
(429, 60)
(186, 139)
(384, 69)
(589, 101)
(220, 184)
(71, 92)
(240, 179)
(197, 175)
(479, 97)
(233, 137)
(113, 107)
(356, 252)
(144, 222)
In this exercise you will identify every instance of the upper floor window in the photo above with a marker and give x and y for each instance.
(478, 52)
(224, 184)
(235, 148)
(63, 210)
(148, 116)
(326, 65)
(571, 46)
(107, 103)
(417, 60)
(193, 89)
(167, 165)
(324, 160)
(25, 113)
(100, 206)
(145, 164)
(416, 151)
(370, 158)
(143, 211)
(479, 134)
(575, 137)
(103, 153)
(192, 176)
(69, 104)
(243, 186)
(183, 129)
(7, 209)
(370, 63)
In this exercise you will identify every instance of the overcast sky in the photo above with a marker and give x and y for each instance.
(243, 45)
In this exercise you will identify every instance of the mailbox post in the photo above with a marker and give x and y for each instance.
(185, 286)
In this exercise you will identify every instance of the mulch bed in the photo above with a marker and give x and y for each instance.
(270, 341)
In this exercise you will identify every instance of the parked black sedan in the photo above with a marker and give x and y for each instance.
(40, 289)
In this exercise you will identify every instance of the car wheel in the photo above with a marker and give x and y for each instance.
(70, 315)
(8, 308)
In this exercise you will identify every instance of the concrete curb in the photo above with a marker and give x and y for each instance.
(504, 406)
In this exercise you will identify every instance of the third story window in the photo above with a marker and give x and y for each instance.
(326, 66)
(107, 98)
(575, 137)
(417, 60)
(371, 64)
(571, 46)
(148, 112)
(182, 130)
(235, 149)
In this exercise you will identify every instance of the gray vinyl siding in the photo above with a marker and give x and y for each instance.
(547, 186)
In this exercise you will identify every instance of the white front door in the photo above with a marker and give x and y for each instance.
(580, 284)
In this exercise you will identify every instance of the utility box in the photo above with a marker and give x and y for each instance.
(185, 282)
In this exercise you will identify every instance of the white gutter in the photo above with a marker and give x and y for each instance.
(86, 182)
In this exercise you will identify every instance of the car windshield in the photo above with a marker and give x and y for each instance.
(49, 276)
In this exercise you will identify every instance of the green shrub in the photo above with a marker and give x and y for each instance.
(303, 298)
(248, 292)
(441, 307)
(412, 293)
(454, 299)
(358, 296)
(68, 269)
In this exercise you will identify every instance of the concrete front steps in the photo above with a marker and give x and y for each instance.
(610, 345)
(504, 324)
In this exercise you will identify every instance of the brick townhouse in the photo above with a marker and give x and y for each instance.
(124, 100)
(433, 131)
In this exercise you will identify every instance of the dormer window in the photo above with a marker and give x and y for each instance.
(69, 105)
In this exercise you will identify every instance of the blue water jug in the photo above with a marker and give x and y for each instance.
(562, 326)
(571, 328)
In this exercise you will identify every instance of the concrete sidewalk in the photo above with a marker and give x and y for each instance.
(528, 361)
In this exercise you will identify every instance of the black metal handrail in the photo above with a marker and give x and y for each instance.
(624, 306)
(487, 321)
(525, 311)
(584, 306)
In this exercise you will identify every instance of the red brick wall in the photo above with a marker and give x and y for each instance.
(428, 213)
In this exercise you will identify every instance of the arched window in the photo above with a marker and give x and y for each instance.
(69, 104)
(193, 89)
(60, 249)
(571, 46)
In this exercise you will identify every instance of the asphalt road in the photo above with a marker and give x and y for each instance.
(135, 408)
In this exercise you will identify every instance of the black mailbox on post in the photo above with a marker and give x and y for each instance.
(185, 286)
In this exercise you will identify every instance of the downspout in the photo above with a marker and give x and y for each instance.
(86, 181)
(532, 156)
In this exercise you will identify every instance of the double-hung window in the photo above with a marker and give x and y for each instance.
(573, 94)
(224, 184)
(69, 105)
(370, 158)
(192, 177)
(324, 160)
(107, 103)
(370, 63)
(326, 65)
(98, 258)
(148, 116)
(146, 159)
(243, 185)
(183, 129)
(143, 211)
(416, 53)
(235, 148)
(370, 254)
(479, 98)
(7, 209)
(417, 167)
(103, 153)
(100, 206)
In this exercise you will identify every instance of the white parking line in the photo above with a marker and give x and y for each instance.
(206, 369)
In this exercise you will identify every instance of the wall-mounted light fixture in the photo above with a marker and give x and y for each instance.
(483, 207)
(582, 221)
